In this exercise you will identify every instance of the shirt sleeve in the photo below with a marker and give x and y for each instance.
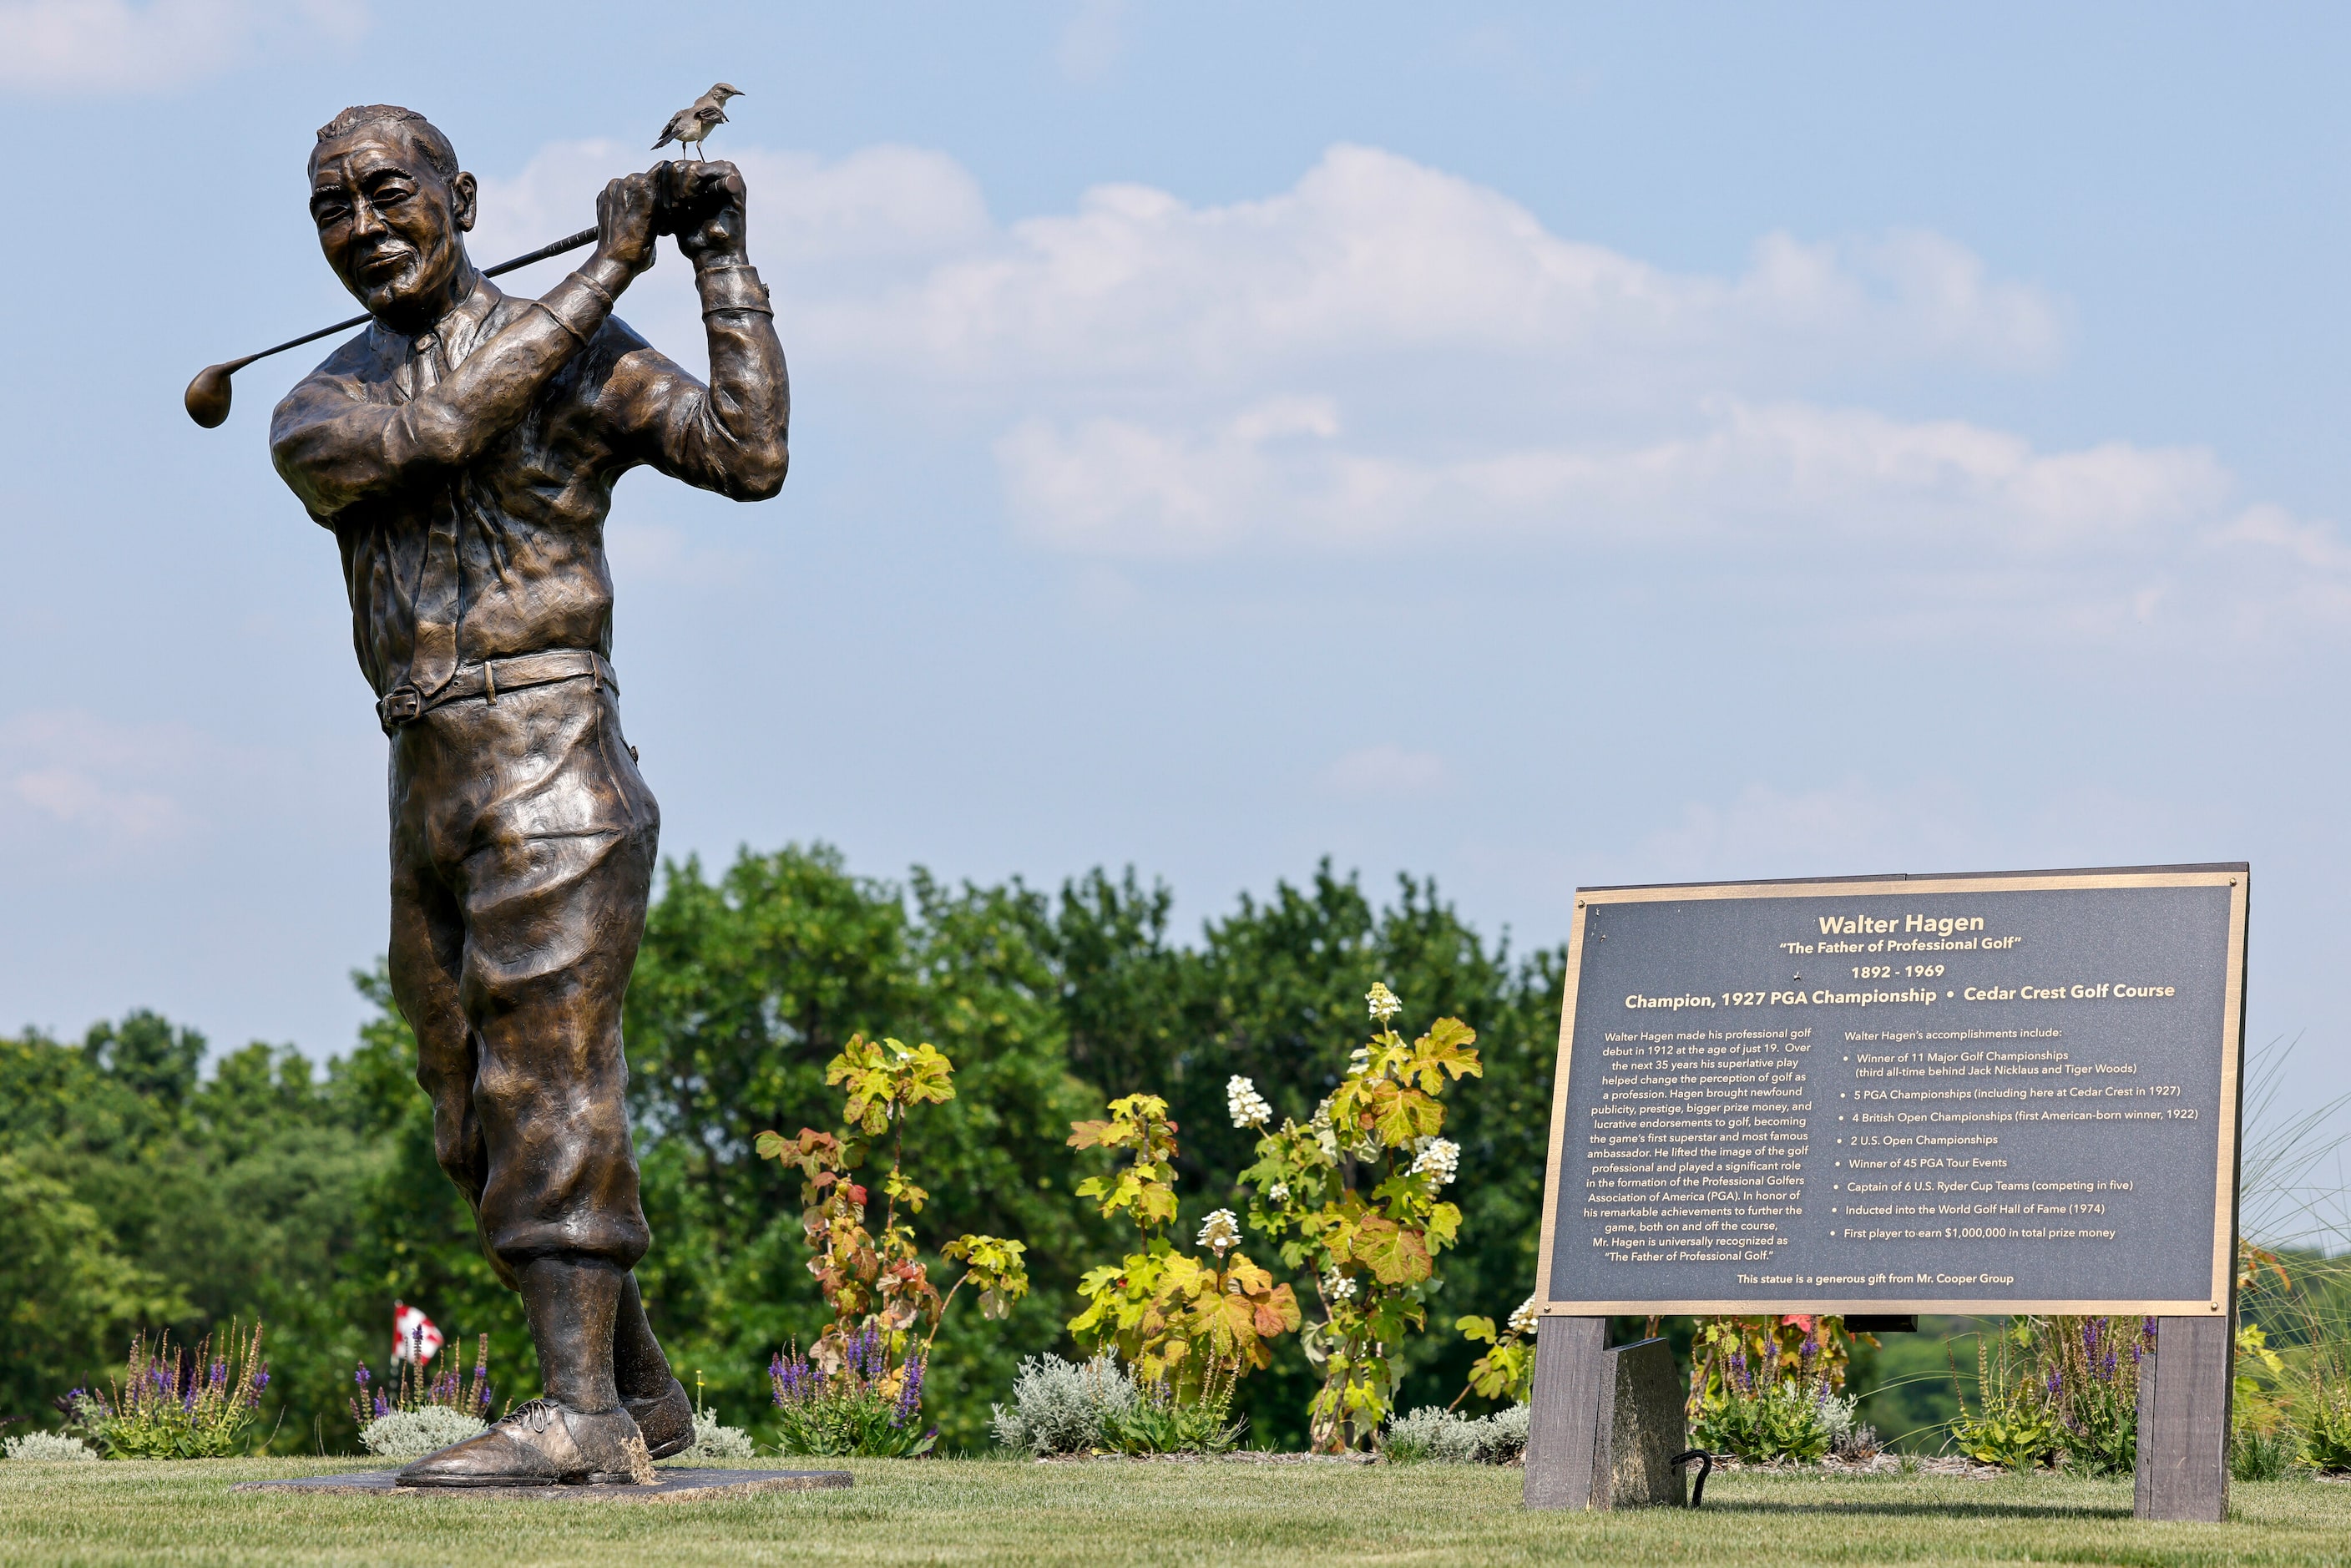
(731, 436)
(335, 446)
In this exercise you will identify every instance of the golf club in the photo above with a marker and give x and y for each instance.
(208, 394)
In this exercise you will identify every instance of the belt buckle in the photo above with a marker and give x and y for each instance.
(401, 705)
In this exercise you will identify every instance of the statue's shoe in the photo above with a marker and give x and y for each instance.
(541, 1443)
(666, 1420)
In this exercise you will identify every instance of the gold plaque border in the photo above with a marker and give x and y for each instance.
(2237, 877)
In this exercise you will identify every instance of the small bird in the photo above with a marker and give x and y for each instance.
(698, 119)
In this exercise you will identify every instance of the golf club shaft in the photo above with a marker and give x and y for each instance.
(572, 242)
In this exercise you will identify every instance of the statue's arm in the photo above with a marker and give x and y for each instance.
(732, 435)
(334, 450)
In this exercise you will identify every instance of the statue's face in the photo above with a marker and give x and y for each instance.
(391, 225)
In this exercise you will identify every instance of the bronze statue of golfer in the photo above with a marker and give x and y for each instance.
(463, 449)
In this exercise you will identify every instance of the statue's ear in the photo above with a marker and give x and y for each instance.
(461, 190)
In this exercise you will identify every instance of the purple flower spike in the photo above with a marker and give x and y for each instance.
(360, 1377)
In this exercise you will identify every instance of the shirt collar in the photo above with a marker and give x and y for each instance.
(459, 330)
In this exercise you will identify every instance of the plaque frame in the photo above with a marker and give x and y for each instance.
(2220, 1304)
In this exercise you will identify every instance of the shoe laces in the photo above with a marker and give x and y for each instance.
(537, 1415)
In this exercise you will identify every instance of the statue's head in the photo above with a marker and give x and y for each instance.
(392, 208)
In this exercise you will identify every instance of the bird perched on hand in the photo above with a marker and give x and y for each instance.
(698, 119)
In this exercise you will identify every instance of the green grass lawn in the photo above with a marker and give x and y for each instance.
(996, 1511)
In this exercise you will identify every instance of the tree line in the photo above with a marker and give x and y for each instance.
(139, 1192)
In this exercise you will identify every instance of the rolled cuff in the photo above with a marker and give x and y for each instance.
(578, 305)
(733, 287)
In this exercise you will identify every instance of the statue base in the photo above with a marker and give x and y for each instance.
(674, 1486)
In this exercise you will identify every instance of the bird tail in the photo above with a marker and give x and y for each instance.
(662, 143)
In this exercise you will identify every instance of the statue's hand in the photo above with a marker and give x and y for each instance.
(710, 204)
(624, 222)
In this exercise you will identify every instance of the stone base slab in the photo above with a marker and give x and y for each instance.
(674, 1486)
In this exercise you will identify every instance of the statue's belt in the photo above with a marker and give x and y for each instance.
(485, 678)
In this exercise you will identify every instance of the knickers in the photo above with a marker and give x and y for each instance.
(523, 843)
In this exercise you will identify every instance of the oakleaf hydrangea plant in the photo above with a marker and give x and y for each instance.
(877, 1285)
(1354, 1195)
(1189, 1329)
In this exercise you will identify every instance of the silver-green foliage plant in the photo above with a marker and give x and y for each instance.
(1850, 1437)
(1065, 1407)
(714, 1441)
(1445, 1437)
(405, 1435)
(48, 1445)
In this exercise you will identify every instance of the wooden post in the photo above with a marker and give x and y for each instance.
(1562, 1430)
(1604, 1424)
(2184, 1390)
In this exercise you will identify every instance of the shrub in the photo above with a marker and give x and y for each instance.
(405, 1435)
(860, 1405)
(416, 1388)
(1507, 1370)
(2325, 1429)
(48, 1445)
(1192, 1327)
(2016, 1423)
(1505, 1437)
(2089, 1368)
(1763, 1421)
(878, 1288)
(1372, 1255)
(1159, 1423)
(713, 1441)
(1063, 1407)
(1447, 1438)
(1755, 1395)
(1850, 1437)
(176, 1404)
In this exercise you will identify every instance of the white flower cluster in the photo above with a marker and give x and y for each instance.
(1439, 1157)
(1523, 1321)
(1385, 1003)
(1279, 1192)
(1338, 1287)
(1248, 1107)
(1220, 1232)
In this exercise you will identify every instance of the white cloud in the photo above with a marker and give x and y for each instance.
(60, 46)
(1370, 256)
(1387, 356)
(110, 787)
(1780, 476)
(1387, 770)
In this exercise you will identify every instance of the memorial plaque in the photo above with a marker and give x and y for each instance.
(2001, 1093)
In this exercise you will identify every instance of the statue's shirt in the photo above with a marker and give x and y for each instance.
(377, 443)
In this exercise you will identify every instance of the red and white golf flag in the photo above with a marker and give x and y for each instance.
(413, 1337)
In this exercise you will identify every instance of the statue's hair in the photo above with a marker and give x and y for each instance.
(427, 136)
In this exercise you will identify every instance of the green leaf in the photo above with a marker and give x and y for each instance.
(1394, 1255)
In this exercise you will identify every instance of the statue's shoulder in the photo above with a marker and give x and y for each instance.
(349, 373)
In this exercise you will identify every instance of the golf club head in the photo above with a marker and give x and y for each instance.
(208, 396)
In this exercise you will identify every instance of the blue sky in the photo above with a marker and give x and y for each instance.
(1526, 445)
